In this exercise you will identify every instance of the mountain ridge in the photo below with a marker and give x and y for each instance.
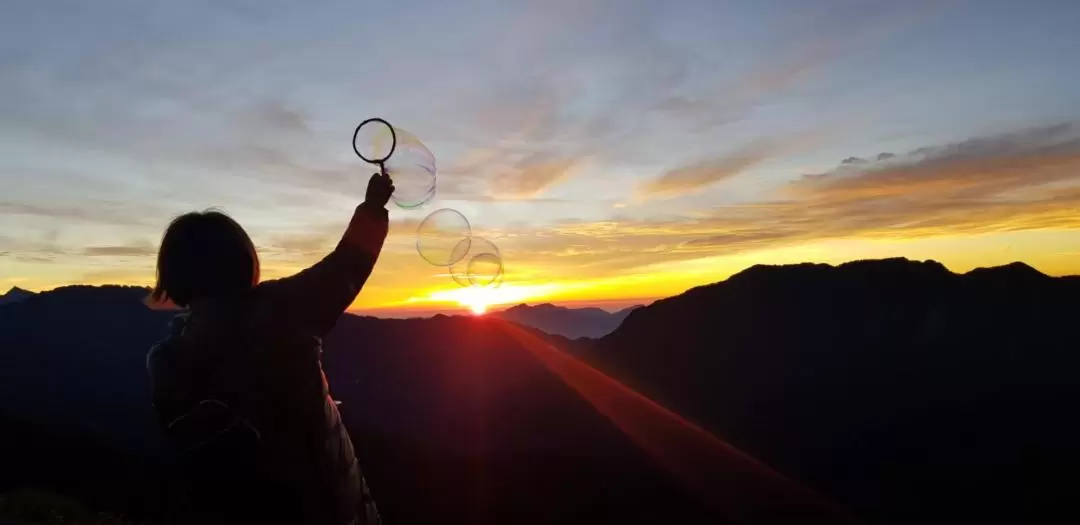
(14, 295)
(894, 359)
(898, 389)
(572, 323)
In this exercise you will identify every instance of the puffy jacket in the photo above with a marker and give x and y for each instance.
(239, 387)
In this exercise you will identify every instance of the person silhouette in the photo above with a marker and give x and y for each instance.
(238, 385)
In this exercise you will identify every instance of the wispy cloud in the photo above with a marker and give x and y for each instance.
(531, 176)
(824, 37)
(1026, 180)
(96, 212)
(979, 168)
(695, 177)
(27, 249)
(128, 250)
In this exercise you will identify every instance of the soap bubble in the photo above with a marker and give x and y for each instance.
(440, 237)
(412, 169)
(408, 162)
(485, 269)
(477, 263)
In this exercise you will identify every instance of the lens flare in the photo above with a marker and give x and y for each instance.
(728, 479)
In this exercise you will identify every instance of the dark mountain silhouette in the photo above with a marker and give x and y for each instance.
(903, 390)
(73, 388)
(14, 295)
(451, 416)
(572, 323)
(899, 389)
(76, 357)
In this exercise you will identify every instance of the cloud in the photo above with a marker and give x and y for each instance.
(40, 210)
(90, 211)
(138, 276)
(28, 250)
(270, 115)
(1026, 180)
(36, 259)
(1018, 181)
(979, 168)
(822, 38)
(304, 245)
(695, 177)
(129, 250)
(532, 176)
(1029, 179)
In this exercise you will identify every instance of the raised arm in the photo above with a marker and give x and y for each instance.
(312, 300)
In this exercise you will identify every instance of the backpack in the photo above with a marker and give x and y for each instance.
(202, 400)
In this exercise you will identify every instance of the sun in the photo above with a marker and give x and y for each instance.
(478, 301)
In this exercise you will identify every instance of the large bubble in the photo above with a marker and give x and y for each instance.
(485, 269)
(410, 164)
(477, 263)
(443, 237)
(412, 168)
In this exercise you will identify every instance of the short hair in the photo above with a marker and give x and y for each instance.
(204, 254)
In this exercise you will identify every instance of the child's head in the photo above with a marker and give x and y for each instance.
(204, 254)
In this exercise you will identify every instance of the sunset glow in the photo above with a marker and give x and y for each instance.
(481, 298)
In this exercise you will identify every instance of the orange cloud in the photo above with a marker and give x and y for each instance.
(1021, 181)
(128, 250)
(695, 177)
(978, 168)
(532, 176)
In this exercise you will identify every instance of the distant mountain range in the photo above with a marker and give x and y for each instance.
(572, 323)
(14, 295)
(897, 389)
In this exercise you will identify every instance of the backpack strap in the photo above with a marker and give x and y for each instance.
(212, 424)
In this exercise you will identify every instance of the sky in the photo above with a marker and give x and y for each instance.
(616, 151)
